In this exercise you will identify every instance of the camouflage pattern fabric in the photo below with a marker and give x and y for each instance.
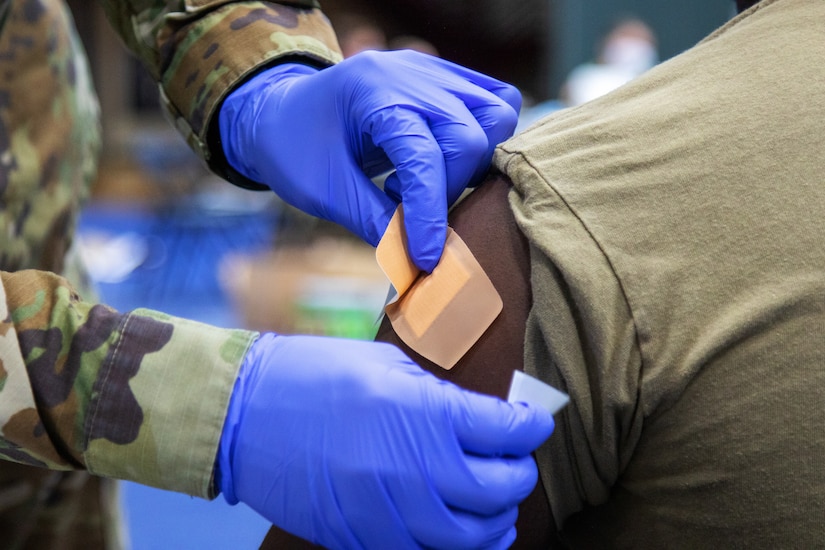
(199, 50)
(49, 134)
(86, 391)
(49, 138)
(120, 395)
(138, 396)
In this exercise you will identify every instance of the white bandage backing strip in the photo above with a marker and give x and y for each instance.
(526, 389)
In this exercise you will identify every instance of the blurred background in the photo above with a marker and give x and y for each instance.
(161, 232)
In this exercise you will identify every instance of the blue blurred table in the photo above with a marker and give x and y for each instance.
(168, 259)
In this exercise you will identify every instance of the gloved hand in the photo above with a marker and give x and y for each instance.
(349, 444)
(317, 137)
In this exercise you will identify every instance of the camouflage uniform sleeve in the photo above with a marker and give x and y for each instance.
(139, 396)
(199, 50)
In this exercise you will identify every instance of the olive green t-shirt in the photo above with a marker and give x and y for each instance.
(677, 231)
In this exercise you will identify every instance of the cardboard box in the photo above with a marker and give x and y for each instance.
(331, 287)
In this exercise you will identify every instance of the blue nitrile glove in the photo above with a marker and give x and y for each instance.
(317, 137)
(349, 444)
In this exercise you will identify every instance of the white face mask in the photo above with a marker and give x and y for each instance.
(632, 54)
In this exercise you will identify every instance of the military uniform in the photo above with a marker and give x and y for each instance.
(86, 391)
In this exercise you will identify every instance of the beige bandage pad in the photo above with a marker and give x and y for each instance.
(440, 315)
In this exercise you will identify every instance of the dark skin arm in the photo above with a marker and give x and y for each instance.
(484, 221)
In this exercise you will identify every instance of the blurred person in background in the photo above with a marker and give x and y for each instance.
(341, 442)
(358, 34)
(627, 50)
(412, 42)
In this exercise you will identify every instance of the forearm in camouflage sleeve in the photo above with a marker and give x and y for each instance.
(139, 396)
(199, 50)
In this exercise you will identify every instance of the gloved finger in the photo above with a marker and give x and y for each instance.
(494, 104)
(488, 485)
(510, 95)
(498, 121)
(504, 542)
(468, 530)
(488, 426)
(466, 147)
(507, 92)
(430, 520)
(392, 187)
(361, 207)
(368, 511)
(468, 140)
(496, 93)
(420, 173)
(467, 154)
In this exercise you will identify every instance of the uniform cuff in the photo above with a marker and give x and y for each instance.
(226, 47)
(162, 426)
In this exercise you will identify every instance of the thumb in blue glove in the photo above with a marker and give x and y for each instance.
(351, 445)
(317, 137)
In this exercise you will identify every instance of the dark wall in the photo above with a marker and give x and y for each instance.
(503, 38)
(533, 43)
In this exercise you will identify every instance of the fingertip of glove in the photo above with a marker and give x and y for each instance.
(508, 539)
(512, 96)
(529, 427)
(425, 255)
(427, 262)
(489, 426)
(427, 246)
(539, 420)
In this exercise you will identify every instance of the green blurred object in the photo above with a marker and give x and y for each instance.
(338, 306)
